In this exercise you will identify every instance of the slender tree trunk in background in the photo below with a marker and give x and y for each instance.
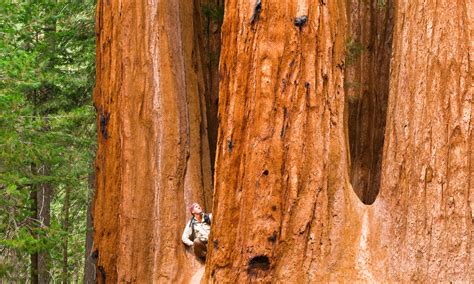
(42, 193)
(284, 206)
(65, 275)
(89, 258)
(41, 197)
(89, 262)
(33, 256)
(153, 154)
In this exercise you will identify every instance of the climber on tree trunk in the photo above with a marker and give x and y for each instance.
(196, 232)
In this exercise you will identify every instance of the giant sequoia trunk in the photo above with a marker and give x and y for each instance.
(421, 226)
(284, 206)
(153, 155)
(324, 107)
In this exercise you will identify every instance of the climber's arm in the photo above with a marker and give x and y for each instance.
(187, 234)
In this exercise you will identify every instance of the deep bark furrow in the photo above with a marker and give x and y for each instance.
(368, 51)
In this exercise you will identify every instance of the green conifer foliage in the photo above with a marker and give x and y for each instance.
(47, 121)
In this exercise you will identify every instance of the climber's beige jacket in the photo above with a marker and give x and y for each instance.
(201, 230)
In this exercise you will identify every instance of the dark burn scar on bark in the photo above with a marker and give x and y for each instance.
(256, 12)
(340, 65)
(104, 118)
(230, 145)
(283, 127)
(102, 273)
(273, 237)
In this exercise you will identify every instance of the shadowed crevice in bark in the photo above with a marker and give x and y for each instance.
(212, 13)
(368, 51)
(260, 262)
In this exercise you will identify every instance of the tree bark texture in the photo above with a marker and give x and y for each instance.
(153, 154)
(424, 214)
(282, 201)
(284, 206)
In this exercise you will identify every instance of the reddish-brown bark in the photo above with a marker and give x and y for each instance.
(295, 148)
(281, 166)
(423, 219)
(153, 155)
(284, 206)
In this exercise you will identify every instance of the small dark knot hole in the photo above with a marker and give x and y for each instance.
(265, 172)
(230, 145)
(273, 237)
(301, 21)
(260, 262)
